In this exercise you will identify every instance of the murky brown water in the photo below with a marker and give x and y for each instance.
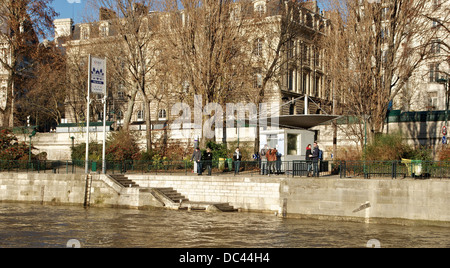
(25, 225)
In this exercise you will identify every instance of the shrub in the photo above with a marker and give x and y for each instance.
(218, 150)
(11, 149)
(349, 153)
(444, 153)
(121, 146)
(95, 151)
(387, 147)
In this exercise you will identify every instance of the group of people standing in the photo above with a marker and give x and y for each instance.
(206, 160)
(312, 159)
(269, 158)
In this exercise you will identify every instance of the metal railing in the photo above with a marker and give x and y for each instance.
(343, 169)
(395, 169)
(252, 168)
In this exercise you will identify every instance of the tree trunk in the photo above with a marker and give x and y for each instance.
(129, 112)
(8, 111)
(148, 124)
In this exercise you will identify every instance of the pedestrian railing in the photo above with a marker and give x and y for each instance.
(344, 169)
(395, 169)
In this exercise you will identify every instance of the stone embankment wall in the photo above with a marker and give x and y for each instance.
(245, 193)
(70, 190)
(390, 200)
(375, 200)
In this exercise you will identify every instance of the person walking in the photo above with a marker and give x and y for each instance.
(308, 160)
(315, 159)
(237, 157)
(208, 160)
(197, 158)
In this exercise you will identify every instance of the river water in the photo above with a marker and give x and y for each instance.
(37, 226)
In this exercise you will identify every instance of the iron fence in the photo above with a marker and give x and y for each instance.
(343, 169)
(395, 169)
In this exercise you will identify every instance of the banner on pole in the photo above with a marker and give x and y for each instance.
(98, 76)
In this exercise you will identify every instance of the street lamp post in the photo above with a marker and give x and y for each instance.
(445, 83)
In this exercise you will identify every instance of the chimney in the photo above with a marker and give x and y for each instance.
(63, 27)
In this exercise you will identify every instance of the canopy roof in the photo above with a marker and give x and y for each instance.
(305, 121)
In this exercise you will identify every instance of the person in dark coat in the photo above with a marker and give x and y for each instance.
(315, 160)
(197, 158)
(237, 158)
(208, 160)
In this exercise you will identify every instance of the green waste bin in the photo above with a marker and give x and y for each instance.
(94, 166)
(230, 163)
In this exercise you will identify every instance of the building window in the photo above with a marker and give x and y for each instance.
(140, 115)
(434, 72)
(84, 33)
(305, 55)
(305, 83)
(436, 46)
(104, 30)
(293, 144)
(260, 10)
(291, 80)
(162, 115)
(258, 80)
(119, 115)
(291, 49)
(258, 47)
(385, 14)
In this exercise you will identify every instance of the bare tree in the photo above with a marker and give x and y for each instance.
(22, 22)
(134, 40)
(274, 35)
(46, 93)
(204, 39)
(375, 47)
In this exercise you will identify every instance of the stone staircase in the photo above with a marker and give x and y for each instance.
(124, 181)
(174, 200)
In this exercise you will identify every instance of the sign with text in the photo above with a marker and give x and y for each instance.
(98, 76)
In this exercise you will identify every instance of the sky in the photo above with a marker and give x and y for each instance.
(74, 9)
(69, 9)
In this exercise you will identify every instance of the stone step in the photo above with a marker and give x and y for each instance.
(172, 198)
(124, 181)
(201, 206)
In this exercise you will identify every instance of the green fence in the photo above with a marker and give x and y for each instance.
(345, 169)
(395, 169)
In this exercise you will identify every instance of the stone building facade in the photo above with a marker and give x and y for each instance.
(302, 68)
